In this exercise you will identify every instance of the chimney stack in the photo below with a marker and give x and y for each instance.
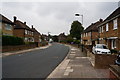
(32, 26)
(15, 18)
(25, 23)
(101, 20)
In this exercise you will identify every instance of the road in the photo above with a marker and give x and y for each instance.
(34, 64)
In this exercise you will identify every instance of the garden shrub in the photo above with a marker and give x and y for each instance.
(11, 40)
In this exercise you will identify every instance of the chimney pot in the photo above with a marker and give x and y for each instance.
(101, 20)
(15, 18)
(24, 22)
(32, 26)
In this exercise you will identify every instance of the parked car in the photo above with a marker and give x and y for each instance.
(118, 60)
(100, 49)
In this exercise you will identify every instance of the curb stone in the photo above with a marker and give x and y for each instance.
(23, 51)
(64, 62)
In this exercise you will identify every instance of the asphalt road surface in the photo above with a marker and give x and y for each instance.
(34, 64)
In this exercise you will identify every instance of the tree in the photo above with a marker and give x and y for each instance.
(76, 30)
(69, 39)
(55, 38)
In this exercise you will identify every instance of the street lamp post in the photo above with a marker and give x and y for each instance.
(48, 36)
(77, 14)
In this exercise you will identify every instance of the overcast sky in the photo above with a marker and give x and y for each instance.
(56, 17)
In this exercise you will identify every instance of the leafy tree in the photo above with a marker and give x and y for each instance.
(76, 30)
(69, 39)
(55, 38)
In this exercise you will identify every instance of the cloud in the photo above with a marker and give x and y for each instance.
(57, 17)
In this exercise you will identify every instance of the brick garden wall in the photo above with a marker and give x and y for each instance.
(101, 61)
(104, 60)
(18, 47)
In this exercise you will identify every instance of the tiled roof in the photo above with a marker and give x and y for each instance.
(21, 25)
(115, 13)
(35, 30)
(5, 20)
(62, 35)
(93, 27)
(111, 16)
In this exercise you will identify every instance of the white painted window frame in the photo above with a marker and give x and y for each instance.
(115, 24)
(107, 27)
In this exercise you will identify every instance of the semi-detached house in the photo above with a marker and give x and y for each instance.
(109, 30)
(23, 31)
(90, 34)
(6, 26)
(36, 35)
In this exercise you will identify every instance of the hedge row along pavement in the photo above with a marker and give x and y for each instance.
(11, 40)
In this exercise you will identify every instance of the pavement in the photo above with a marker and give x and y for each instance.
(23, 51)
(77, 65)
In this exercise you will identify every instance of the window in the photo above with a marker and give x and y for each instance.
(26, 38)
(32, 33)
(8, 27)
(115, 24)
(86, 34)
(28, 32)
(99, 29)
(90, 33)
(113, 44)
(25, 31)
(102, 29)
(107, 27)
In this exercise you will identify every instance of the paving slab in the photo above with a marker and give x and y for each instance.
(78, 66)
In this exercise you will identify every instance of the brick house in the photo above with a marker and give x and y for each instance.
(90, 34)
(62, 37)
(109, 30)
(36, 35)
(44, 37)
(23, 31)
(6, 26)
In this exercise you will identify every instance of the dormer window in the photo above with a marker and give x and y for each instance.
(115, 24)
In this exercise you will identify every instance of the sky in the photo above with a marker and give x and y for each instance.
(57, 17)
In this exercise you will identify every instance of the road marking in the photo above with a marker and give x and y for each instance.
(72, 52)
(67, 71)
(73, 49)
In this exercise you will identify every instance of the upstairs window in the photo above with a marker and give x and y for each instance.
(102, 29)
(25, 31)
(107, 27)
(8, 27)
(99, 29)
(86, 34)
(89, 33)
(115, 24)
(32, 33)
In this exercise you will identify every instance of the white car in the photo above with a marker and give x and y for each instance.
(100, 49)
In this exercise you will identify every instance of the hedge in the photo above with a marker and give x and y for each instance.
(11, 40)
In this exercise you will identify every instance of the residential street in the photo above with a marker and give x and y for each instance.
(78, 66)
(34, 64)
